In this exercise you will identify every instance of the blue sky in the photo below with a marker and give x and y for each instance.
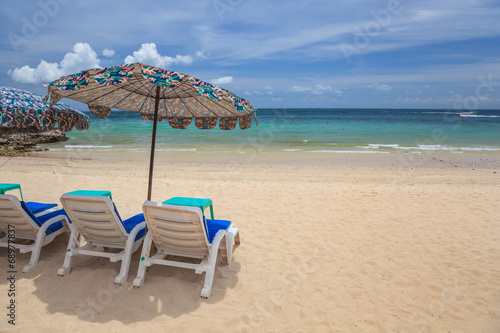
(283, 54)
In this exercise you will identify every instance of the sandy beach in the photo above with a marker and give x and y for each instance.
(350, 244)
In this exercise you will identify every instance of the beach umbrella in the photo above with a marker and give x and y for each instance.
(158, 94)
(21, 108)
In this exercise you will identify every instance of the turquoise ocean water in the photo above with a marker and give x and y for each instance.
(309, 131)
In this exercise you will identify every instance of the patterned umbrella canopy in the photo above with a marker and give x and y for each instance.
(158, 94)
(21, 108)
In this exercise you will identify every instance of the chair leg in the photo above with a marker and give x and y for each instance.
(41, 239)
(35, 252)
(209, 279)
(126, 257)
(224, 251)
(122, 277)
(237, 237)
(233, 234)
(72, 245)
(212, 261)
(145, 254)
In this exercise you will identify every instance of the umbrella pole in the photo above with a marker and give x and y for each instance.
(153, 142)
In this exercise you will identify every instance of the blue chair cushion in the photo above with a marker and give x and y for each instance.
(44, 218)
(37, 207)
(55, 226)
(215, 225)
(30, 213)
(130, 223)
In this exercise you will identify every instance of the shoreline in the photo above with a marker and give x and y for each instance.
(490, 160)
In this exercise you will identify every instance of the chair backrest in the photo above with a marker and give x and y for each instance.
(95, 217)
(12, 213)
(176, 229)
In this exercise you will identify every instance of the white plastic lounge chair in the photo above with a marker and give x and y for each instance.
(29, 221)
(181, 231)
(96, 219)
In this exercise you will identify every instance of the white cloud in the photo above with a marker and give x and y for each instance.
(486, 99)
(470, 102)
(222, 80)
(300, 89)
(407, 24)
(201, 54)
(263, 42)
(417, 100)
(269, 90)
(381, 87)
(83, 57)
(421, 15)
(108, 53)
(457, 98)
(148, 55)
(321, 88)
(317, 89)
(45, 72)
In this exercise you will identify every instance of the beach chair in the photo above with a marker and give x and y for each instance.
(96, 220)
(29, 225)
(183, 232)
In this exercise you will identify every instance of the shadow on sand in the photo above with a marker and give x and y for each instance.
(89, 292)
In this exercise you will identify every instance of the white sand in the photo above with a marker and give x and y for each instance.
(323, 249)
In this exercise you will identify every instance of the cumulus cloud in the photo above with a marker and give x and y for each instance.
(457, 98)
(317, 89)
(269, 90)
(44, 72)
(300, 89)
(108, 53)
(470, 102)
(82, 57)
(201, 54)
(222, 80)
(148, 54)
(381, 87)
(416, 100)
(321, 88)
